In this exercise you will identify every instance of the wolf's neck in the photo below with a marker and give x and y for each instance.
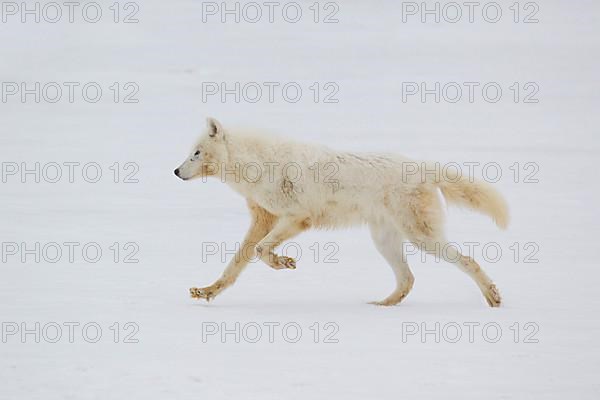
(242, 164)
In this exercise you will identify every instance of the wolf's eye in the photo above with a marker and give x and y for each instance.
(195, 156)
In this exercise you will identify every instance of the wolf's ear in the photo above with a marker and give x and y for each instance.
(214, 127)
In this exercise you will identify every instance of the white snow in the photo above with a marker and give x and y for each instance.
(368, 54)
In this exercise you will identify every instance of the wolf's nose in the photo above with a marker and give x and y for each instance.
(176, 172)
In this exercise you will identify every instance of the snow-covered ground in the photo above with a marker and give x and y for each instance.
(170, 346)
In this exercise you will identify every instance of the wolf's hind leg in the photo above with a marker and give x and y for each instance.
(262, 223)
(423, 225)
(389, 242)
(450, 253)
(285, 228)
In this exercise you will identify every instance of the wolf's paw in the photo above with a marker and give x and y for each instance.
(381, 303)
(284, 262)
(206, 293)
(390, 301)
(492, 296)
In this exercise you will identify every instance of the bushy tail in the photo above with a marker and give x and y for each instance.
(476, 195)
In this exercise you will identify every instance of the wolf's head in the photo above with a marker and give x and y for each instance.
(208, 155)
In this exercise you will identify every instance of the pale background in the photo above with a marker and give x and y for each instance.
(369, 53)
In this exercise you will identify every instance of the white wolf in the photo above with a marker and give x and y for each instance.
(286, 195)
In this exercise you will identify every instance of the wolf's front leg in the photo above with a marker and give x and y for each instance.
(285, 228)
(262, 222)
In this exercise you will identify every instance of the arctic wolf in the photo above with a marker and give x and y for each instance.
(288, 191)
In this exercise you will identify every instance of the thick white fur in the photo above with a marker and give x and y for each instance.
(291, 187)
